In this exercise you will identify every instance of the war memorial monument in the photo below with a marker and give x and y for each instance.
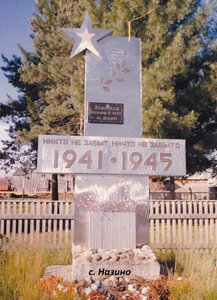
(111, 161)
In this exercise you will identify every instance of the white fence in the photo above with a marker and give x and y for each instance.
(182, 223)
(173, 223)
(35, 221)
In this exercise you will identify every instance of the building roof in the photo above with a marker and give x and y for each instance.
(21, 172)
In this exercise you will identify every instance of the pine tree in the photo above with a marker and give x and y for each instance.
(16, 111)
(178, 68)
(52, 87)
(179, 72)
(61, 98)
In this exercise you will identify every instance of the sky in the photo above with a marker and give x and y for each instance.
(14, 30)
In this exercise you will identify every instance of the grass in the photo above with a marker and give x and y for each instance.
(194, 275)
(21, 270)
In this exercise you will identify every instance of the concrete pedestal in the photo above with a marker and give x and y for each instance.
(98, 264)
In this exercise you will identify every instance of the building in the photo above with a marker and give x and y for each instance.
(33, 182)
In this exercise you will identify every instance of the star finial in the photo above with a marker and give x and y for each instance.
(84, 38)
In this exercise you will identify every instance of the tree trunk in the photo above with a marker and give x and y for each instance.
(55, 187)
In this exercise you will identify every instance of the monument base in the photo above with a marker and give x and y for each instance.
(98, 264)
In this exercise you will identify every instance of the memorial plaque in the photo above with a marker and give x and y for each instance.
(105, 113)
(111, 155)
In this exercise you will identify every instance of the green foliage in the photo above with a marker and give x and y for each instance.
(62, 94)
(178, 69)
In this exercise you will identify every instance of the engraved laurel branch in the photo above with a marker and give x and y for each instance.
(119, 67)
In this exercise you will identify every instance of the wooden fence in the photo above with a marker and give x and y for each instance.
(173, 223)
(37, 221)
(183, 224)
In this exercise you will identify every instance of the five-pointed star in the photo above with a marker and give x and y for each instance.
(84, 38)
